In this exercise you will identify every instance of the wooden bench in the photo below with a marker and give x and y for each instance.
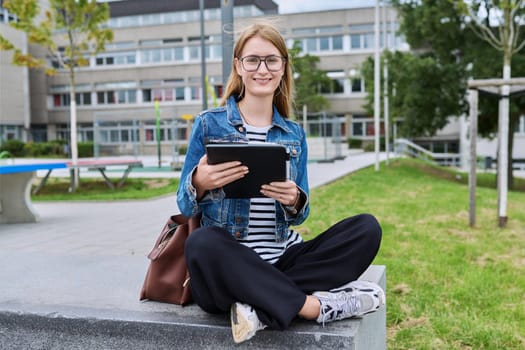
(15, 186)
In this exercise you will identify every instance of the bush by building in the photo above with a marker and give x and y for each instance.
(55, 149)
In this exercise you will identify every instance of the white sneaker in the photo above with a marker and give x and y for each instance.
(245, 322)
(354, 299)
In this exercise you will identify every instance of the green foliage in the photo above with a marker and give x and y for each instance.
(5, 45)
(81, 23)
(14, 147)
(427, 92)
(85, 149)
(5, 154)
(441, 273)
(370, 146)
(308, 81)
(182, 149)
(57, 189)
(71, 30)
(441, 29)
(54, 148)
(38, 149)
(452, 41)
(354, 143)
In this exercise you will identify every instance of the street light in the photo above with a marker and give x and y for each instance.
(377, 86)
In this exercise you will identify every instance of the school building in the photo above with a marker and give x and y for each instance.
(156, 56)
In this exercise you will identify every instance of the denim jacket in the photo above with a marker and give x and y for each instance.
(224, 124)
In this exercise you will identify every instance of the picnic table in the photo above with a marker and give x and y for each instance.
(16, 180)
(15, 185)
(96, 164)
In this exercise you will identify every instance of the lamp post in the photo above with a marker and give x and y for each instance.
(203, 59)
(227, 38)
(377, 87)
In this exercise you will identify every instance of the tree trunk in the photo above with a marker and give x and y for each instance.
(514, 120)
(73, 145)
(503, 156)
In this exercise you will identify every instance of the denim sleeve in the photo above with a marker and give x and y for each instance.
(187, 193)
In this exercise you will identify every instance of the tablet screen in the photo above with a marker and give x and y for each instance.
(266, 162)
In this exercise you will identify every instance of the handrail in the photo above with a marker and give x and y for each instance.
(404, 146)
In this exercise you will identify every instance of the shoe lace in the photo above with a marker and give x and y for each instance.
(341, 307)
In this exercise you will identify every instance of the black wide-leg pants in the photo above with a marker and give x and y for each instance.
(224, 271)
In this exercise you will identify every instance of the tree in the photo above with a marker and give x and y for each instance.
(70, 31)
(498, 22)
(308, 80)
(443, 41)
(424, 104)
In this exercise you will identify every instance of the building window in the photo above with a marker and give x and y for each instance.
(120, 58)
(355, 41)
(84, 132)
(83, 98)
(5, 16)
(357, 129)
(126, 96)
(116, 133)
(195, 52)
(328, 43)
(10, 132)
(317, 39)
(62, 100)
(105, 97)
(116, 96)
(180, 94)
(357, 85)
(195, 93)
(116, 92)
(336, 84)
(163, 90)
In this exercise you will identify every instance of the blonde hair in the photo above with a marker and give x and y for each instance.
(283, 95)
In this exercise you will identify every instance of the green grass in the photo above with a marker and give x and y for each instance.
(57, 189)
(450, 286)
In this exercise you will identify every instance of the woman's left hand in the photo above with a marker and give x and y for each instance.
(285, 192)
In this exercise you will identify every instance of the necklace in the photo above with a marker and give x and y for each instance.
(246, 120)
(242, 115)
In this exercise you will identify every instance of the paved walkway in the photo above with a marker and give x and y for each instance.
(86, 257)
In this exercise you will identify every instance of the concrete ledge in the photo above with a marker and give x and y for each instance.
(154, 325)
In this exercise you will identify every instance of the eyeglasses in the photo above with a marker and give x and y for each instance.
(252, 63)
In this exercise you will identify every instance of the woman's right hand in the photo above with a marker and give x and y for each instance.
(208, 176)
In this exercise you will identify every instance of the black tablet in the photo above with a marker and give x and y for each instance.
(266, 162)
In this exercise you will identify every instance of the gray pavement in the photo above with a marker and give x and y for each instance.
(88, 259)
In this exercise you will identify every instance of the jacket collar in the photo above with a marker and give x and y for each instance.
(234, 116)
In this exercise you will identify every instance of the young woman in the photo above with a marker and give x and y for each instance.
(245, 258)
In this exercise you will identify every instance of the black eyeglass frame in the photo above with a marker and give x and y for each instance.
(262, 59)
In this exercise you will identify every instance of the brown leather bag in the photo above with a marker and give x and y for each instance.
(167, 279)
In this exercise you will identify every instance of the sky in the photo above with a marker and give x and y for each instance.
(291, 6)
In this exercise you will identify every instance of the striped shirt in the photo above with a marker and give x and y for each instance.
(261, 237)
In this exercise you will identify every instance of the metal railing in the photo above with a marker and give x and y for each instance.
(409, 148)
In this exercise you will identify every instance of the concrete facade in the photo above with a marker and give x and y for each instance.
(14, 89)
(156, 55)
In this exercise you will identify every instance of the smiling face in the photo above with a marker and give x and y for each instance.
(262, 82)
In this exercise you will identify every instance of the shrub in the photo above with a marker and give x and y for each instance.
(369, 146)
(182, 149)
(49, 148)
(354, 143)
(15, 147)
(85, 149)
(35, 149)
